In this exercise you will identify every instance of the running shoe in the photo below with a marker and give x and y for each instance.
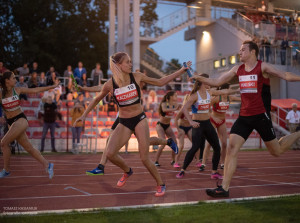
(157, 163)
(124, 178)
(180, 174)
(50, 170)
(176, 165)
(160, 191)
(198, 164)
(217, 192)
(216, 176)
(173, 145)
(222, 166)
(3, 173)
(202, 167)
(95, 172)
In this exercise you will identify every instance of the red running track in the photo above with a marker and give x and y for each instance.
(29, 189)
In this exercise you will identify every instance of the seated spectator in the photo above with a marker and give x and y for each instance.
(151, 102)
(178, 81)
(51, 79)
(34, 68)
(109, 104)
(87, 98)
(49, 122)
(21, 83)
(84, 81)
(50, 93)
(33, 80)
(58, 92)
(295, 50)
(23, 71)
(278, 18)
(2, 68)
(97, 75)
(295, 17)
(50, 71)
(42, 80)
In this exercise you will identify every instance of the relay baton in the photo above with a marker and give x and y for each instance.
(74, 81)
(188, 70)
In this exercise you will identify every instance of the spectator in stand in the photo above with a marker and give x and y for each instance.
(51, 78)
(284, 21)
(265, 49)
(50, 93)
(293, 121)
(34, 68)
(50, 71)
(81, 100)
(278, 18)
(84, 81)
(295, 51)
(68, 71)
(42, 80)
(21, 83)
(2, 68)
(109, 104)
(87, 98)
(33, 80)
(295, 17)
(40, 110)
(22, 71)
(256, 39)
(78, 72)
(97, 75)
(284, 45)
(76, 112)
(151, 102)
(178, 81)
(49, 123)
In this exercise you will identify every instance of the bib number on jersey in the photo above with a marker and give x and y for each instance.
(126, 95)
(248, 83)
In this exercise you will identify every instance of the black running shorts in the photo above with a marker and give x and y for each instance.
(262, 123)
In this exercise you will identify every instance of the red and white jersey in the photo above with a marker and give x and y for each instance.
(11, 103)
(252, 90)
(221, 107)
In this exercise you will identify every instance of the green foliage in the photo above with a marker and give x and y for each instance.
(172, 66)
(54, 33)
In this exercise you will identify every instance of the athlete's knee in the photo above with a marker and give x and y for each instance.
(4, 143)
(232, 150)
(275, 153)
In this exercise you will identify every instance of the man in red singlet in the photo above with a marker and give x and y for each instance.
(254, 112)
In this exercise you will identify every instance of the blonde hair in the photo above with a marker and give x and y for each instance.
(115, 59)
(186, 97)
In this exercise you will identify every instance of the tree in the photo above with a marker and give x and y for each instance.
(55, 33)
(172, 66)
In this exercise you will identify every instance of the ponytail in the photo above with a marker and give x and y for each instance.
(6, 75)
(115, 59)
(198, 84)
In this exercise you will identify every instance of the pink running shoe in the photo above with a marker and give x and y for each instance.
(180, 175)
(160, 191)
(198, 164)
(124, 178)
(176, 165)
(216, 176)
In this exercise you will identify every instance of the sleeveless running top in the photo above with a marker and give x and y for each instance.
(255, 91)
(221, 106)
(128, 95)
(201, 105)
(168, 114)
(11, 103)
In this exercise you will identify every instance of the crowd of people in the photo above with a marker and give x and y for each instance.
(124, 88)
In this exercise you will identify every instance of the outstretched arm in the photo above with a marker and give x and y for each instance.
(90, 89)
(225, 78)
(24, 90)
(288, 76)
(96, 100)
(164, 80)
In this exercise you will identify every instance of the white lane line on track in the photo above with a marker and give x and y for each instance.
(163, 205)
(140, 192)
(74, 188)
